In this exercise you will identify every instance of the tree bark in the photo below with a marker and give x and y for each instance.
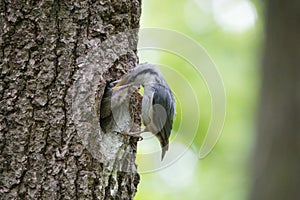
(277, 151)
(56, 58)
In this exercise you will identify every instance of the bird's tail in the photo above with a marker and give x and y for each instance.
(164, 144)
(164, 149)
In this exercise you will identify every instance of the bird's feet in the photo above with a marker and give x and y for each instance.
(136, 134)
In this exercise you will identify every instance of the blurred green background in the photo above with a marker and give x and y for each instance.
(231, 31)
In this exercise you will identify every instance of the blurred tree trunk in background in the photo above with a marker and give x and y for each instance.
(277, 153)
(55, 59)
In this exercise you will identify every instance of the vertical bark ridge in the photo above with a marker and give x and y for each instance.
(44, 46)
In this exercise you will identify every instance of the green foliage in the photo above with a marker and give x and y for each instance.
(224, 173)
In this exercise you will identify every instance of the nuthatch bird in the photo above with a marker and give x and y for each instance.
(158, 104)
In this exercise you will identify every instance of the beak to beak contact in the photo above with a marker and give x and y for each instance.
(120, 83)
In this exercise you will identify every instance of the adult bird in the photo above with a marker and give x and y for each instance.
(158, 104)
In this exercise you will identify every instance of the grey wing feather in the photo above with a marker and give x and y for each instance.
(164, 97)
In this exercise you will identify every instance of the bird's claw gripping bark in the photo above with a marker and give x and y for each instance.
(134, 134)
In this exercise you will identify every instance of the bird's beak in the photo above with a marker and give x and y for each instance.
(120, 83)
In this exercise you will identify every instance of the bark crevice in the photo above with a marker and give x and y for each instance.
(55, 60)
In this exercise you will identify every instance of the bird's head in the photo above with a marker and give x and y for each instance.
(143, 73)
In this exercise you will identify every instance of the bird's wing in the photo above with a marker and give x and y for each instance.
(163, 113)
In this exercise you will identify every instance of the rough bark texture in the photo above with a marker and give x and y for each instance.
(56, 57)
(277, 152)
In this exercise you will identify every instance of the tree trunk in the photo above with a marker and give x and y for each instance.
(56, 58)
(277, 151)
